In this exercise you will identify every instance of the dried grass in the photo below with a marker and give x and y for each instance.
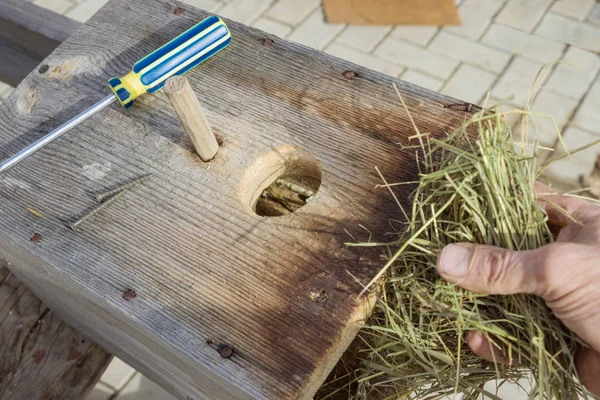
(470, 189)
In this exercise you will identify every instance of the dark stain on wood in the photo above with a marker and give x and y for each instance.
(466, 107)
(38, 356)
(74, 354)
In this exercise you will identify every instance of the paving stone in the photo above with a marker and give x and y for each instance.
(470, 52)
(315, 32)
(208, 5)
(245, 11)
(273, 27)
(578, 9)
(567, 171)
(117, 374)
(513, 120)
(420, 35)
(469, 84)
(574, 79)
(423, 80)
(563, 29)
(84, 11)
(100, 392)
(525, 44)
(552, 104)
(365, 60)
(594, 16)
(292, 12)
(415, 57)
(517, 80)
(142, 388)
(588, 116)
(523, 14)
(57, 6)
(507, 390)
(476, 16)
(363, 38)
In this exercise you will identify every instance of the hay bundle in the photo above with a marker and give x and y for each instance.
(478, 190)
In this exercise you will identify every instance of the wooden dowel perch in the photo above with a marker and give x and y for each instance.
(188, 108)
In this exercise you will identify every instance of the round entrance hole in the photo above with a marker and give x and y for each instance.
(281, 181)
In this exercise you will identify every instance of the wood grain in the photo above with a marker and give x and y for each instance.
(207, 270)
(28, 33)
(41, 357)
(392, 12)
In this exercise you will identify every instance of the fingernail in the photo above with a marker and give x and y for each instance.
(454, 260)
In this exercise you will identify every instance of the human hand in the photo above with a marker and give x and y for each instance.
(566, 274)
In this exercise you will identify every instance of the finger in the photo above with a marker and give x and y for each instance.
(588, 369)
(486, 350)
(556, 205)
(543, 188)
(492, 270)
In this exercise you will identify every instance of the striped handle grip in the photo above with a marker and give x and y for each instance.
(181, 54)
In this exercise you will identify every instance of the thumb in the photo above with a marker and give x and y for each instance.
(492, 270)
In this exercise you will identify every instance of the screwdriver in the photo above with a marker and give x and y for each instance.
(148, 75)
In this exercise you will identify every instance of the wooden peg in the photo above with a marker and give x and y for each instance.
(188, 108)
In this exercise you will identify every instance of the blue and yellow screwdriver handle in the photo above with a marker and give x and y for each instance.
(177, 57)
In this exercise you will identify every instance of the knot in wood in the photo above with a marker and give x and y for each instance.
(268, 42)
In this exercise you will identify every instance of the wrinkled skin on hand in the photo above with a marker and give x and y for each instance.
(566, 274)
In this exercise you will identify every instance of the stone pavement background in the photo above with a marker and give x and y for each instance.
(499, 48)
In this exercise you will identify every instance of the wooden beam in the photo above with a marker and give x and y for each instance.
(15, 64)
(28, 34)
(41, 357)
(208, 273)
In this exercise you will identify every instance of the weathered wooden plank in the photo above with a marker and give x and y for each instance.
(41, 357)
(208, 271)
(28, 33)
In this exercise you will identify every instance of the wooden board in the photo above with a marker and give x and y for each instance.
(391, 12)
(28, 33)
(41, 357)
(208, 271)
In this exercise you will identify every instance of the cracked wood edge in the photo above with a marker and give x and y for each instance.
(41, 357)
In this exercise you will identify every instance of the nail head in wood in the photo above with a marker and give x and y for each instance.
(188, 108)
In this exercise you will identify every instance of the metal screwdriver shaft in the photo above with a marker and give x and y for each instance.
(55, 134)
(148, 75)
